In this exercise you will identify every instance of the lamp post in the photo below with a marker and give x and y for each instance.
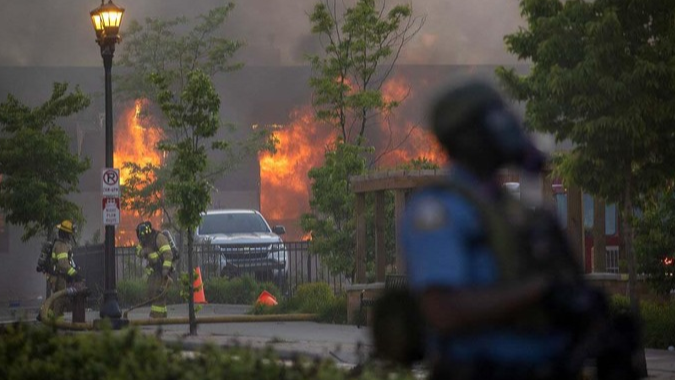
(106, 20)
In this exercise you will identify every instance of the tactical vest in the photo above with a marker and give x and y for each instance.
(524, 241)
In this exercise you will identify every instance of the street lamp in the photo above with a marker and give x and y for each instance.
(106, 20)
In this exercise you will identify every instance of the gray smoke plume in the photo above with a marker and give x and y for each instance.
(59, 33)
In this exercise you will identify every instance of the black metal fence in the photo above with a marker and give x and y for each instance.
(287, 265)
(90, 261)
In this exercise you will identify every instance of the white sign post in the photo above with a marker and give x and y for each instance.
(111, 211)
(110, 190)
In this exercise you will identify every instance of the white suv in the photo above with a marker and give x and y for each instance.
(246, 243)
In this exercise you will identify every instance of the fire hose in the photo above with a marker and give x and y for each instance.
(161, 294)
(80, 288)
(71, 291)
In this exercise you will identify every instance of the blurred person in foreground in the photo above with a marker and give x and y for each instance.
(499, 291)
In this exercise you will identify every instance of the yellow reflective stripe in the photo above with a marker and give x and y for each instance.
(61, 256)
(166, 263)
(158, 309)
(153, 256)
(164, 248)
(71, 272)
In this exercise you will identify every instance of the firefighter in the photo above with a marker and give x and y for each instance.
(155, 248)
(64, 270)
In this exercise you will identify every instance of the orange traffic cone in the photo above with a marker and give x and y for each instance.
(266, 298)
(199, 288)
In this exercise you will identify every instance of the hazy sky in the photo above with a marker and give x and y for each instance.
(59, 32)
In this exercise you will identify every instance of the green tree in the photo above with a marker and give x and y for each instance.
(144, 189)
(37, 169)
(175, 48)
(655, 240)
(194, 114)
(361, 46)
(331, 222)
(602, 78)
(360, 49)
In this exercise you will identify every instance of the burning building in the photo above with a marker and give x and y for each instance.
(278, 97)
(136, 137)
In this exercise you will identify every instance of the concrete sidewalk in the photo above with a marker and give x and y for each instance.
(660, 364)
(345, 344)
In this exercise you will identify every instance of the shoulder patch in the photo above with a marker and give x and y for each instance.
(429, 215)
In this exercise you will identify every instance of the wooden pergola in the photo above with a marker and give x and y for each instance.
(401, 182)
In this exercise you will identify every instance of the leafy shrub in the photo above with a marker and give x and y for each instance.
(335, 311)
(132, 292)
(619, 305)
(658, 330)
(314, 298)
(239, 290)
(39, 352)
(32, 353)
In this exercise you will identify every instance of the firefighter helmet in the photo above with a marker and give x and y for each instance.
(67, 226)
(143, 230)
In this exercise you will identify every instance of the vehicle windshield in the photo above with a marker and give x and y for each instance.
(232, 224)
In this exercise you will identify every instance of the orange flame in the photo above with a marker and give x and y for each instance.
(408, 140)
(396, 90)
(284, 185)
(135, 141)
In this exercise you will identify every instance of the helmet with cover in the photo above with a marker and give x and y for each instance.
(475, 126)
(143, 230)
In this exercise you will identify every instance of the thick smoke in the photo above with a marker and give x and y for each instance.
(59, 33)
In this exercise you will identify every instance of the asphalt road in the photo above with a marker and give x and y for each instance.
(345, 343)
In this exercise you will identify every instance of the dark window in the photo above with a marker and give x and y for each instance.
(610, 215)
(561, 208)
(588, 211)
(610, 219)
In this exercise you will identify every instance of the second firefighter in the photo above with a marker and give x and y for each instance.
(155, 248)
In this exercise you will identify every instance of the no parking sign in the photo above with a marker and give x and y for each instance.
(110, 190)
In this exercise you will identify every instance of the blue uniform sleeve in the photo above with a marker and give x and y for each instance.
(437, 233)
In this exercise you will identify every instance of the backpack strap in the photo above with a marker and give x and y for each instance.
(503, 234)
(155, 234)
